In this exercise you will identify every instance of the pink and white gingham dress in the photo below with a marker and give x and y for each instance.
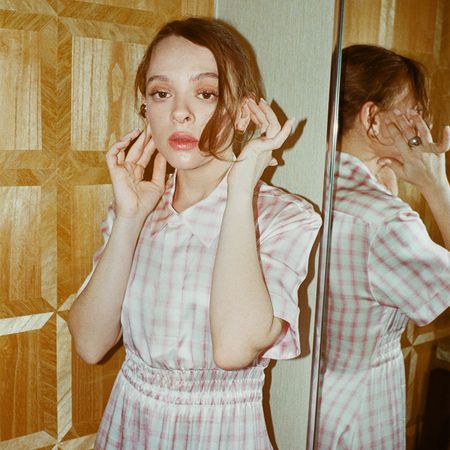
(384, 270)
(169, 394)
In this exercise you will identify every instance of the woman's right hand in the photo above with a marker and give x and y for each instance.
(136, 198)
(422, 165)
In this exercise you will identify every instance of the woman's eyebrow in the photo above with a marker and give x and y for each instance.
(198, 77)
(157, 77)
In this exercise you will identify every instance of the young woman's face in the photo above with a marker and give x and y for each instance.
(181, 96)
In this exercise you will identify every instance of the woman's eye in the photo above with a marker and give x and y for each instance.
(159, 95)
(207, 95)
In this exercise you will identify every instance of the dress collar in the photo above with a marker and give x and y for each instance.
(203, 219)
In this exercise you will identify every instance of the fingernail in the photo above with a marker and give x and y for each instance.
(263, 100)
(397, 112)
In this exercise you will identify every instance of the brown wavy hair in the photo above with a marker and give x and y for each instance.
(372, 73)
(239, 77)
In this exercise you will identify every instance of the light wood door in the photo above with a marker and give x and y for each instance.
(420, 30)
(66, 94)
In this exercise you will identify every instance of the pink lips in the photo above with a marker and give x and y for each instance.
(182, 141)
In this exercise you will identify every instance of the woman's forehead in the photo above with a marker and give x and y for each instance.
(176, 54)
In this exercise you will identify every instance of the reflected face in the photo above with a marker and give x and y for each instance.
(181, 96)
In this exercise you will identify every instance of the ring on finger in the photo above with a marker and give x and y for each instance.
(415, 141)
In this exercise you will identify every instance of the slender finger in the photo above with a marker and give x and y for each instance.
(147, 153)
(420, 125)
(404, 125)
(388, 178)
(397, 137)
(121, 157)
(112, 155)
(278, 140)
(444, 145)
(427, 139)
(136, 149)
(260, 116)
(394, 165)
(159, 170)
(138, 172)
(274, 125)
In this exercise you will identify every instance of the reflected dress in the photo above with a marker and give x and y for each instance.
(169, 394)
(384, 270)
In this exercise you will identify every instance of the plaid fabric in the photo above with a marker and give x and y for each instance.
(384, 270)
(165, 322)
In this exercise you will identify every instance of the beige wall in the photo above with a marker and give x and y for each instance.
(292, 40)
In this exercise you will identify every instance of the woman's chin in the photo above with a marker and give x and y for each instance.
(183, 160)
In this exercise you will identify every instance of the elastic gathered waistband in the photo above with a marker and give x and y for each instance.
(194, 386)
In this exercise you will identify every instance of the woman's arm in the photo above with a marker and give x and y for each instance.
(94, 318)
(423, 165)
(241, 312)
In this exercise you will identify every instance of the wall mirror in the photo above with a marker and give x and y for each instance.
(418, 31)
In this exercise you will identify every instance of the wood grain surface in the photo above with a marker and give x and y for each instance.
(66, 93)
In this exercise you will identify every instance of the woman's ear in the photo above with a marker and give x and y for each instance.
(243, 117)
(369, 118)
(143, 110)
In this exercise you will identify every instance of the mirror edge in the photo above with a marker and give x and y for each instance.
(322, 283)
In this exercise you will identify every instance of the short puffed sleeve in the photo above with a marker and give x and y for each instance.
(407, 270)
(106, 228)
(284, 249)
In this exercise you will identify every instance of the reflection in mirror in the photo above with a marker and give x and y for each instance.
(388, 292)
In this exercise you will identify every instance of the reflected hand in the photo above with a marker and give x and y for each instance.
(422, 165)
(134, 197)
(256, 156)
(387, 177)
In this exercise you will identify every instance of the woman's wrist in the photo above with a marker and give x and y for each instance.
(243, 197)
(130, 227)
(431, 191)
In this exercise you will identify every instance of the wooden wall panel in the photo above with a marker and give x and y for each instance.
(20, 275)
(28, 377)
(419, 30)
(102, 80)
(90, 206)
(20, 126)
(425, 20)
(66, 92)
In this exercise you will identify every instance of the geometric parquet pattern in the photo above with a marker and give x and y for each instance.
(420, 30)
(66, 94)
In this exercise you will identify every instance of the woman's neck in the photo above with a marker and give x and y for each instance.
(357, 145)
(194, 185)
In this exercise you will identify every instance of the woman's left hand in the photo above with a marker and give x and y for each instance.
(256, 156)
(422, 165)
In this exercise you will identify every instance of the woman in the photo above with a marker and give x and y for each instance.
(199, 275)
(384, 268)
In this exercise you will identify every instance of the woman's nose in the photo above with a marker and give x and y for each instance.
(181, 113)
